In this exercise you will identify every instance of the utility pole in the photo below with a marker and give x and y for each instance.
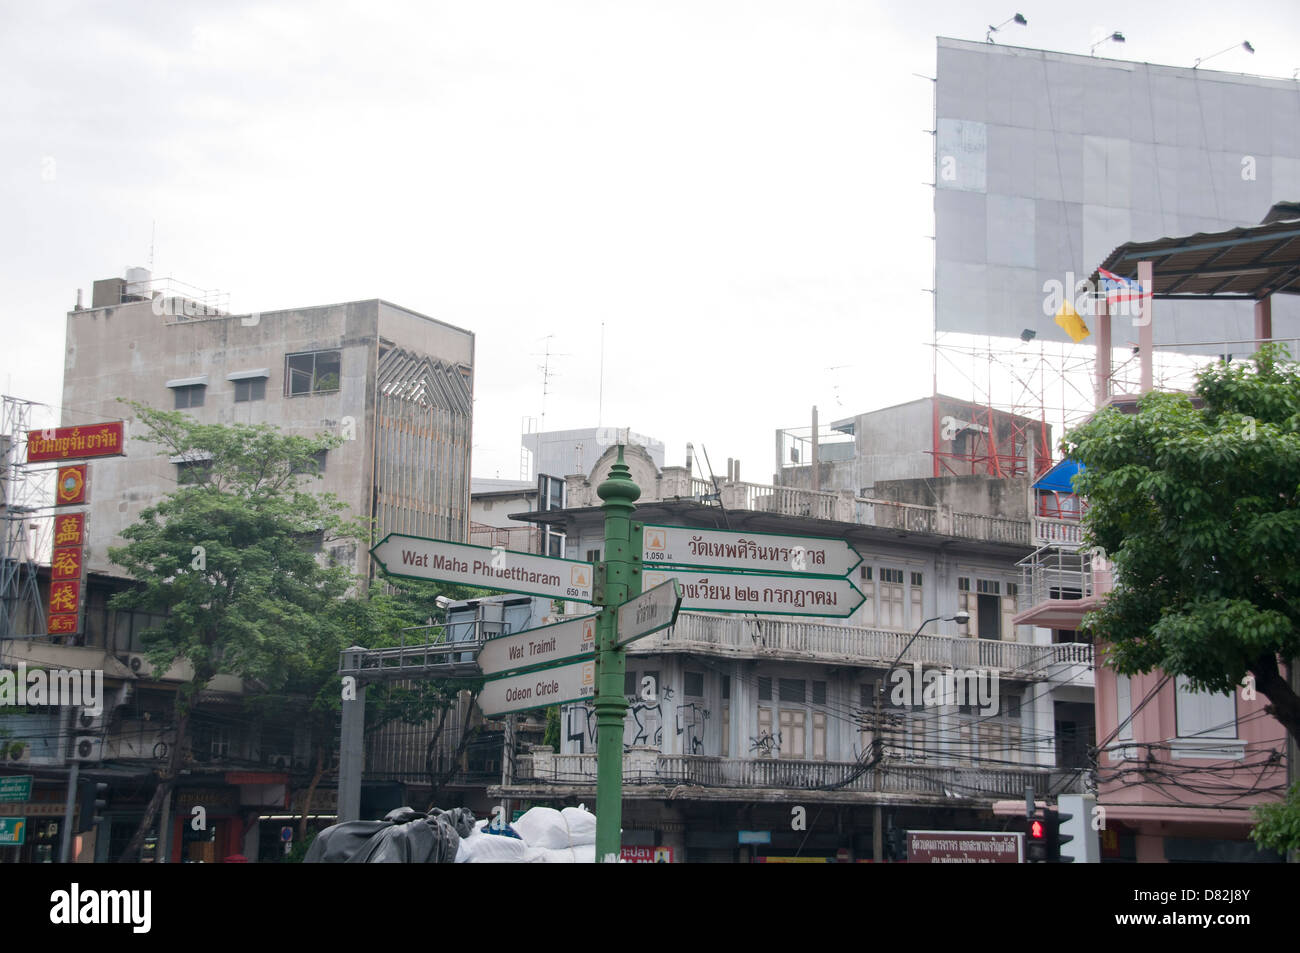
(878, 753)
(618, 578)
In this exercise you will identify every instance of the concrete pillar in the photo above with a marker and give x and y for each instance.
(352, 744)
(1102, 332)
(1263, 320)
(1145, 337)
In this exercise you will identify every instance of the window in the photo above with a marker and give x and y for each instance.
(694, 684)
(793, 722)
(965, 602)
(1203, 714)
(891, 598)
(868, 587)
(629, 683)
(792, 690)
(988, 611)
(315, 373)
(726, 729)
(766, 742)
(819, 736)
(819, 693)
(764, 688)
(1124, 708)
(593, 555)
(248, 390)
(315, 465)
(191, 395)
(193, 471)
(917, 596)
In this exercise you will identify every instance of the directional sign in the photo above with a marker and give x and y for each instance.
(540, 689)
(748, 552)
(649, 612)
(489, 568)
(545, 645)
(764, 594)
(18, 788)
(13, 831)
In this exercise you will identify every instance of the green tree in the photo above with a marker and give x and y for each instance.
(230, 559)
(1196, 501)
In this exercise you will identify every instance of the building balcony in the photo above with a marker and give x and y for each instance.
(1057, 587)
(1061, 533)
(739, 637)
(646, 772)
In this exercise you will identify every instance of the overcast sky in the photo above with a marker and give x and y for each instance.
(734, 189)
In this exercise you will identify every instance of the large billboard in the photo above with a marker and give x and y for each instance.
(1045, 162)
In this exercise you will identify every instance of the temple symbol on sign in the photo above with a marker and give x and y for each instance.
(588, 673)
(578, 575)
(656, 539)
(588, 632)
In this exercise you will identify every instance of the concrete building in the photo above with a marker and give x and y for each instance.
(735, 720)
(395, 384)
(564, 452)
(929, 437)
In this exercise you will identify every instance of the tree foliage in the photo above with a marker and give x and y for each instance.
(229, 561)
(1196, 502)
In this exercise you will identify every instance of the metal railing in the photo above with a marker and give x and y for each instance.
(786, 500)
(749, 638)
(1052, 574)
(776, 773)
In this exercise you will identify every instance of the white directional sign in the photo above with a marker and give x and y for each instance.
(649, 612)
(544, 645)
(748, 552)
(540, 689)
(704, 591)
(489, 568)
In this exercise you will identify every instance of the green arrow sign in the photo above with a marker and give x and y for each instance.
(13, 831)
(762, 593)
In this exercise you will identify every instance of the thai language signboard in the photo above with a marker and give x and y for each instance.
(748, 552)
(76, 443)
(765, 594)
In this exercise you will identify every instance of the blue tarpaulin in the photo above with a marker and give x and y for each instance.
(1059, 477)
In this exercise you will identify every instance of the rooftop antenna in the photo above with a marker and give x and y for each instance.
(153, 235)
(545, 368)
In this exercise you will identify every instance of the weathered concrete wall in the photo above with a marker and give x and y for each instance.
(986, 495)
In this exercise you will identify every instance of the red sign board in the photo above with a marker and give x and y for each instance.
(70, 488)
(65, 596)
(76, 443)
(964, 847)
(70, 529)
(646, 855)
(66, 563)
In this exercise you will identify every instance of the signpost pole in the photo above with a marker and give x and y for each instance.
(618, 578)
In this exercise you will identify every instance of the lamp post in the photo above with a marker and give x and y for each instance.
(1117, 37)
(1018, 18)
(1245, 45)
(877, 833)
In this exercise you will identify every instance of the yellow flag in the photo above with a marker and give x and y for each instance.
(1071, 323)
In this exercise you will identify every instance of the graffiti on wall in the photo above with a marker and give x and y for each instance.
(690, 727)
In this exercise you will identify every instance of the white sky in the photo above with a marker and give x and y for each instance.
(734, 188)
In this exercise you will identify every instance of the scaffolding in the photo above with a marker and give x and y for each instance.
(23, 510)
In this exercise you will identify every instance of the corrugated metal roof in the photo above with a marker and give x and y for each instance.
(1251, 262)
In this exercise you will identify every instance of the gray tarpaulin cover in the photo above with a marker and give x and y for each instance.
(404, 836)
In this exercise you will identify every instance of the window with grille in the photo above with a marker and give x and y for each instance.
(891, 598)
(764, 688)
(629, 682)
(792, 690)
(694, 684)
(917, 597)
(189, 396)
(254, 388)
(867, 585)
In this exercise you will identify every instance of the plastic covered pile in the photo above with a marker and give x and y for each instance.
(542, 835)
(404, 836)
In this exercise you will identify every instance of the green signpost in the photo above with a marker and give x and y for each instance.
(549, 665)
(16, 788)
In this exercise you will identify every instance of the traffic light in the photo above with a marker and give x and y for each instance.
(93, 798)
(1053, 821)
(1035, 840)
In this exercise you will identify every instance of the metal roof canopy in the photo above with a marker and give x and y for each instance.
(1240, 264)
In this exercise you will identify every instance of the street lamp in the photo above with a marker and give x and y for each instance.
(1018, 18)
(961, 618)
(1117, 37)
(1245, 45)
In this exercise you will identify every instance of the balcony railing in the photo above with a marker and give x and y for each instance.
(1065, 534)
(730, 635)
(649, 768)
(1053, 575)
(844, 506)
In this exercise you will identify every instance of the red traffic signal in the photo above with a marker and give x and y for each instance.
(1036, 830)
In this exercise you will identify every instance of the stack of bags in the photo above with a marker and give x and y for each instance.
(543, 835)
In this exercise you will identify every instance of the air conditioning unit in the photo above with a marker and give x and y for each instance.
(91, 722)
(135, 662)
(88, 748)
